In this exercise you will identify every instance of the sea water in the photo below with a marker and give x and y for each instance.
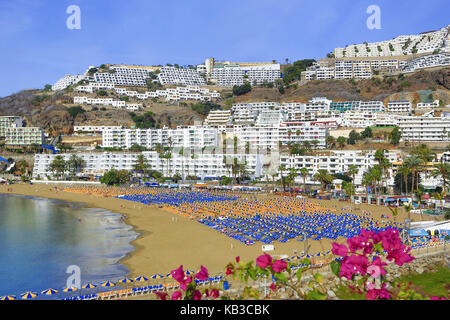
(40, 238)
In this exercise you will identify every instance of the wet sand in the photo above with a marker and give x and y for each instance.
(168, 240)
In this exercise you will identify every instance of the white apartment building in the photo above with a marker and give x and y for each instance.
(7, 122)
(203, 165)
(24, 135)
(230, 74)
(424, 128)
(271, 117)
(135, 76)
(401, 107)
(66, 81)
(299, 132)
(186, 137)
(384, 119)
(363, 106)
(401, 45)
(218, 117)
(337, 162)
(357, 119)
(107, 102)
(189, 92)
(173, 75)
(428, 105)
(94, 129)
(91, 87)
(348, 69)
(317, 104)
(428, 61)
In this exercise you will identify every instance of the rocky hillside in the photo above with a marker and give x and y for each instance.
(380, 88)
(49, 109)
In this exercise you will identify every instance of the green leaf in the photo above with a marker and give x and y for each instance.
(378, 247)
(318, 277)
(315, 295)
(252, 273)
(335, 268)
(299, 274)
(306, 261)
(280, 276)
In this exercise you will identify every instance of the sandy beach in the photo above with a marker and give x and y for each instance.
(168, 240)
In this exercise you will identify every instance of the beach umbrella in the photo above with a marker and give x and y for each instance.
(189, 272)
(28, 295)
(89, 286)
(141, 279)
(321, 254)
(108, 284)
(8, 298)
(49, 292)
(126, 280)
(169, 275)
(70, 289)
(157, 276)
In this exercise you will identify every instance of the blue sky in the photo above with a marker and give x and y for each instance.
(37, 48)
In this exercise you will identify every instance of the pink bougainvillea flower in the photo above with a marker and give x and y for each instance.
(202, 274)
(264, 260)
(161, 295)
(377, 262)
(437, 298)
(355, 243)
(214, 293)
(368, 248)
(178, 274)
(238, 259)
(176, 295)
(352, 265)
(279, 265)
(339, 249)
(228, 272)
(375, 294)
(185, 282)
(197, 295)
(273, 287)
(400, 256)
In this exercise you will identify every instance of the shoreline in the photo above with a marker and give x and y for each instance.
(167, 240)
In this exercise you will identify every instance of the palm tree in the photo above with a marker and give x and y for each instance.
(193, 157)
(283, 180)
(349, 189)
(353, 170)
(443, 171)
(394, 212)
(181, 153)
(375, 174)
(304, 172)
(413, 163)
(23, 167)
(367, 182)
(291, 177)
(324, 178)
(141, 164)
(330, 140)
(75, 163)
(385, 164)
(404, 171)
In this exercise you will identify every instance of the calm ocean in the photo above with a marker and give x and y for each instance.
(40, 238)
